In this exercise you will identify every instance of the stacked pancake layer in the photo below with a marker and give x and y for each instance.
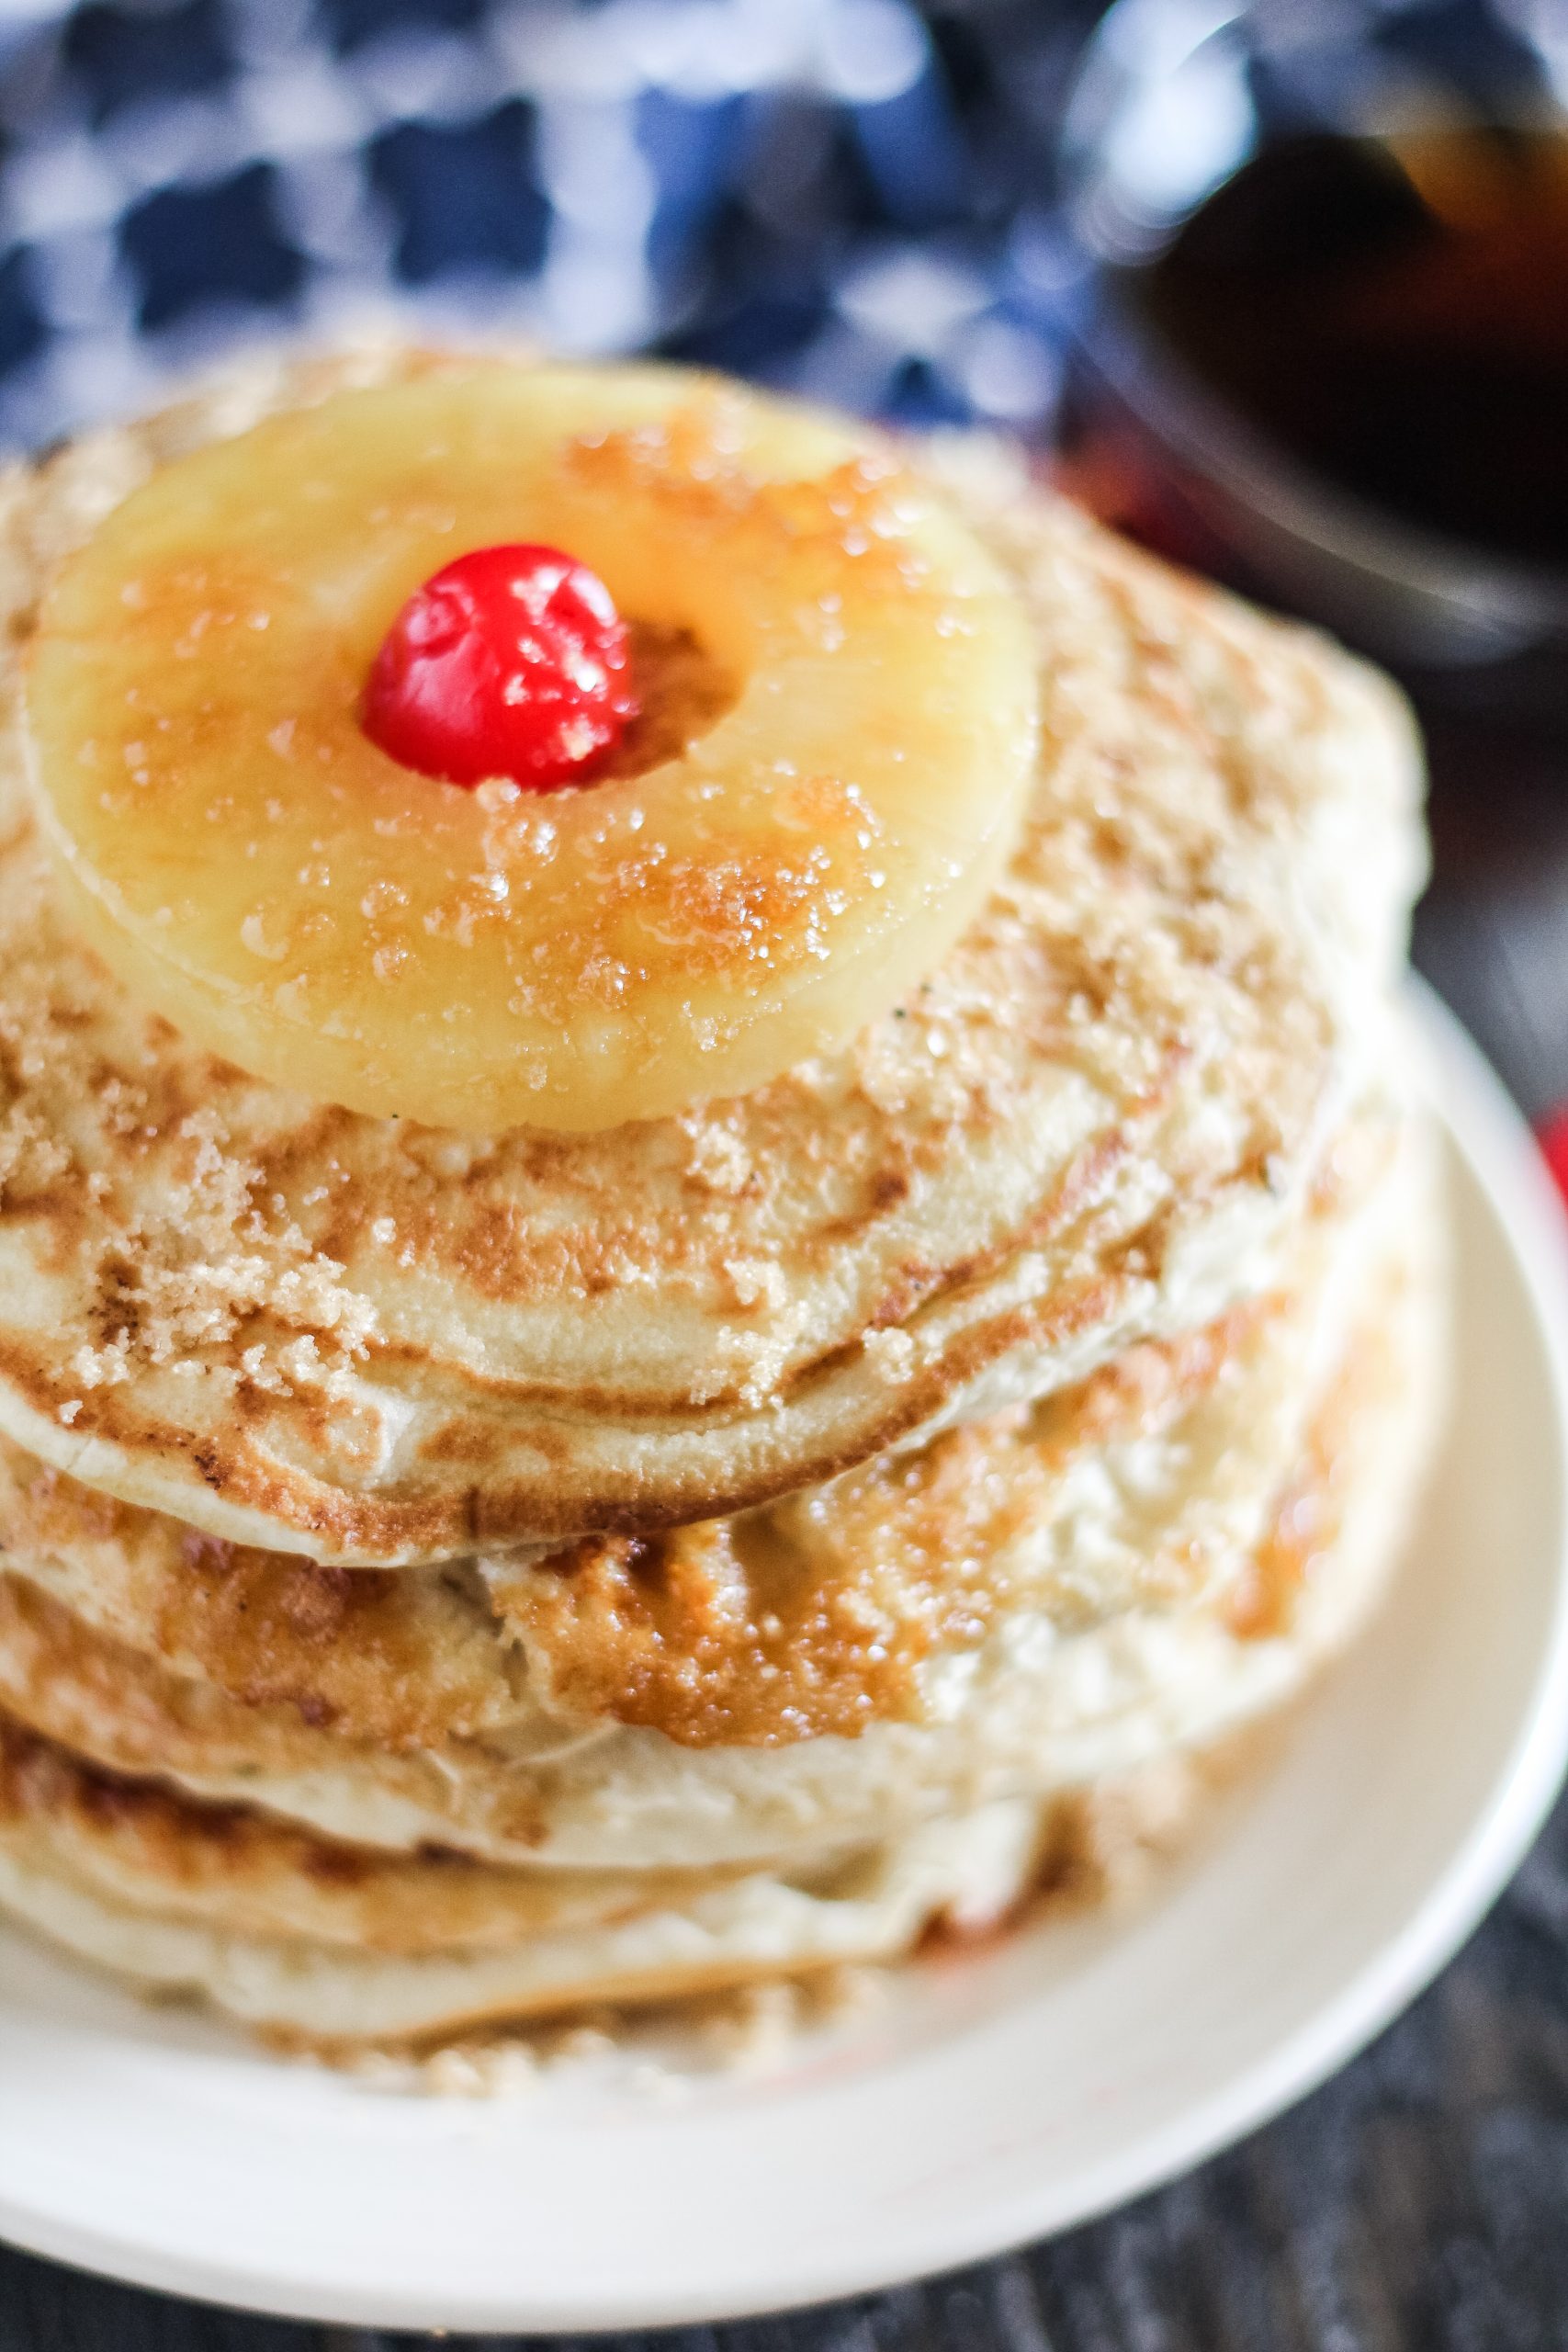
(447, 1577)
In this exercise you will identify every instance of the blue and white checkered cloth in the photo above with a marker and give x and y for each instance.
(851, 197)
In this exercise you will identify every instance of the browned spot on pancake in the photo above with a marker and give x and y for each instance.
(813, 1616)
(374, 1652)
(888, 1188)
(317, 1602)
(38, 1779)
(331, 1864)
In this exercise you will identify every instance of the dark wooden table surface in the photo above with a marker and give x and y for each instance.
(1418, 2203)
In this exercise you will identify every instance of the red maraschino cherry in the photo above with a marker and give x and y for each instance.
(511, 661)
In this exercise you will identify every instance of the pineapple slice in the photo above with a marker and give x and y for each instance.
(823, 817)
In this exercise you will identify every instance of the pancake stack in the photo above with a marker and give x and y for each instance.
(453, 1577)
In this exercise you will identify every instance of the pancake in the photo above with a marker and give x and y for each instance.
(370, 1342)
(1243, 1486)
(227, 1865)
(313, 1937)
(807, 1616)
(406, 1658)
(968, 1873)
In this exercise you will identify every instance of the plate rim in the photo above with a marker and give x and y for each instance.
(1486, 1129)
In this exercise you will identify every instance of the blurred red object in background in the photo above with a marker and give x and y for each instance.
(1551, 1134)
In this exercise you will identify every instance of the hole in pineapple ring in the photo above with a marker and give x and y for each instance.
(742, 897)
(683, 693)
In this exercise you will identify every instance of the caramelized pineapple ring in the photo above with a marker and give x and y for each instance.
(292, 898)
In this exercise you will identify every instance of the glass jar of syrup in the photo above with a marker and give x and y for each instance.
(1328, 353)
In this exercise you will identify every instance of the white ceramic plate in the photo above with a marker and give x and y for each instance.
(993, 2100)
